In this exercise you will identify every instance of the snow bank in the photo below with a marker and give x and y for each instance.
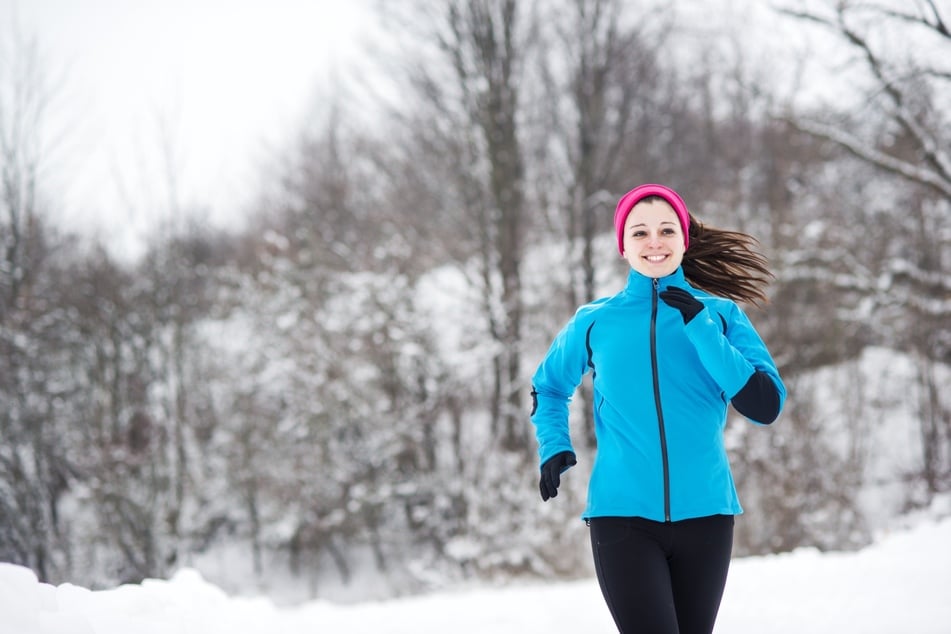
(900, 584)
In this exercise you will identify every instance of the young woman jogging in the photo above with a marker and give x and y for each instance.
(668, 354)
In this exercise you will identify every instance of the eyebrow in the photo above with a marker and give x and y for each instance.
(663, 222)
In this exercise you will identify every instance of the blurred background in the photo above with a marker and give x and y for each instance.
(270, 301)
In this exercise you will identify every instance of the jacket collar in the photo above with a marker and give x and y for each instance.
(639, 285)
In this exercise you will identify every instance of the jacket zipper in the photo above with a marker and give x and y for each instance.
(660, 411)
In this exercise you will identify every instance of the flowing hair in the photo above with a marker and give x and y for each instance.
(726, 263)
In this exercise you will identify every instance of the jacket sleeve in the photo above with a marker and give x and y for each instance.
(553, 386)
(740, 363)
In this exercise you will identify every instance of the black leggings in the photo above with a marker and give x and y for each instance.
(663, 578)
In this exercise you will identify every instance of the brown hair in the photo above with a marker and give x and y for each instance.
(726, 263)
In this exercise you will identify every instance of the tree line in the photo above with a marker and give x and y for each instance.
(343, 383)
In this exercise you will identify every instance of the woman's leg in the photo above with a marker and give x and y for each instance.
(631, 563)
(699, 562)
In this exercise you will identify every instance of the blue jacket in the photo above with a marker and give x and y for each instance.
(661, 391)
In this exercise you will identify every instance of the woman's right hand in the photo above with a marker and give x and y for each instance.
(551, 473)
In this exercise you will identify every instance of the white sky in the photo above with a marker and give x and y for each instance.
(225, 79)
(223, 83)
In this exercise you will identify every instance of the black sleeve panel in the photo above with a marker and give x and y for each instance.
(759, 399)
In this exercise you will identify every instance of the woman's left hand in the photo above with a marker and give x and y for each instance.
(688, 305)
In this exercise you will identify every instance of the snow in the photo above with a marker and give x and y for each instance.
(898, 584)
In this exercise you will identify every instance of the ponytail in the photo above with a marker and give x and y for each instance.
(726, 263)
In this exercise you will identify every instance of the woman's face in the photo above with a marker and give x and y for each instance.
(653, 239)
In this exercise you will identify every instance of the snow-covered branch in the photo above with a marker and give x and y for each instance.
(934, 169)
(861, 149)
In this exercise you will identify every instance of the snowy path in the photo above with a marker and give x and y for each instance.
(901, 584)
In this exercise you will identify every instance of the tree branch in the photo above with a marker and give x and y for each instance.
(861, 150)
(901, 114)
(938, 25)
(938, 171)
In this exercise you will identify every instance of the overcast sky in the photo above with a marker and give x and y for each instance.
(222, 84)
(217, 81)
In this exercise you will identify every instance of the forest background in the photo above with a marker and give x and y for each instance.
(335, 396)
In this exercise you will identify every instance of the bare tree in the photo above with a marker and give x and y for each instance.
(465, 124)
(33, 468)
(909, 94)
(25, 97)
(484, 45)
(904, 134)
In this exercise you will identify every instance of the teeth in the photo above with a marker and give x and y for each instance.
(655, 258)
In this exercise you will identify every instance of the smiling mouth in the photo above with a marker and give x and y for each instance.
(655, 259)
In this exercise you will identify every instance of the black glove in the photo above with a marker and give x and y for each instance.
(551, 473)
(687, 304)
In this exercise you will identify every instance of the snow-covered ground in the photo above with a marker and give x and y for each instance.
(902, 583)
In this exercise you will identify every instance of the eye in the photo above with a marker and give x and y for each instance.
(668, 231)
(640, 233)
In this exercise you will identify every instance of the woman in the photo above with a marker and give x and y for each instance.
(668, 354)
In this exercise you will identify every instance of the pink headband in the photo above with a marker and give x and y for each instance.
(632, 197)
